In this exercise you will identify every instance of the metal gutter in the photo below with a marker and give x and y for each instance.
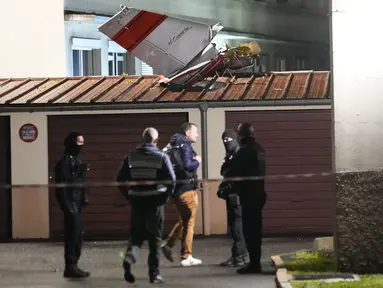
(158, 105)
(205, 174)
(203, 111)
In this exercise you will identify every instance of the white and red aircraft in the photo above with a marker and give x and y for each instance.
(179, 49)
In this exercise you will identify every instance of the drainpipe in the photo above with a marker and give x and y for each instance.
(205, 174)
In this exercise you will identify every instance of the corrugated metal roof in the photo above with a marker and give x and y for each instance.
(129, 89)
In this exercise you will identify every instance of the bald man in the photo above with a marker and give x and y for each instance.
(146, 163)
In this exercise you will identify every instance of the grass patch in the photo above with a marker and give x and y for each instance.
(324, 263)
(311, 261)
(367, 281)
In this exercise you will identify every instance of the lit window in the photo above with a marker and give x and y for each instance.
(265, 63)
(301, 64)
(281, 64)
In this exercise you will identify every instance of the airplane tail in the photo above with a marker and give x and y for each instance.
(168, 44)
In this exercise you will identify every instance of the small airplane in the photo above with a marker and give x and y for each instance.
(181, 50)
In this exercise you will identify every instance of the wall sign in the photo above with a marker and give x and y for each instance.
(28, 133)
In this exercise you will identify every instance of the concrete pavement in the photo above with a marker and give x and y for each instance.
(40, 265)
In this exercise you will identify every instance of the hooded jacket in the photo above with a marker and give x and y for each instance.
(189, 164)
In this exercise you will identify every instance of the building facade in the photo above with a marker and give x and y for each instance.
(58, 44)
(293, 34)
(290, 112)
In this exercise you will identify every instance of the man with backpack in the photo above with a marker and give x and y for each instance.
(185, 163)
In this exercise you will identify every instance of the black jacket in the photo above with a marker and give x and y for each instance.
(227, 162)
(227, 189)
(164, 172)
(249, 161)
(70, 170)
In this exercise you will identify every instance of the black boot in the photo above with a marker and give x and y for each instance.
(128, 276)
(238, 261)
(157, 279)
(167, 251)
(75, 272)
(250, 269)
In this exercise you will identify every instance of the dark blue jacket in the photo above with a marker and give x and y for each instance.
(164, 173)
(189, 164)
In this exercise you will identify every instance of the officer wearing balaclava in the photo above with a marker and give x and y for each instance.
(71, 170)
(227, 192)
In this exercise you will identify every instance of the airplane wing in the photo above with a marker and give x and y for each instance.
(168, 44)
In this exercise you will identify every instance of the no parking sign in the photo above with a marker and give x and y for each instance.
(28, 133)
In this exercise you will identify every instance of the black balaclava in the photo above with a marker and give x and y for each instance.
(233, 144)
(70, 144)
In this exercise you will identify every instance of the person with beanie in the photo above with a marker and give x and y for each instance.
(228, 192)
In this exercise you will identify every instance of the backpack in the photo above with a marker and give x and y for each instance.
(174, 153)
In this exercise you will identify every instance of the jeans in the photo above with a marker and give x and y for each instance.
(73, 238)
(147, 223)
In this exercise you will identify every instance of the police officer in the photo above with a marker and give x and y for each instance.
(227, 192)
(146, 163)
(71, 170)
(249, 161)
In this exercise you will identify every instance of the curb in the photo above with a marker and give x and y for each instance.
(282, 279)
(277, 261)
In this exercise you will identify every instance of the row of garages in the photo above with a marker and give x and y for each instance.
(297, 140)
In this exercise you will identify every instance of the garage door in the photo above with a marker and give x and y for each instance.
(107, 140)
(5, 178)
(296, 142)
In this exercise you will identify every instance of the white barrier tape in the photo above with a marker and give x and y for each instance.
(140, 183)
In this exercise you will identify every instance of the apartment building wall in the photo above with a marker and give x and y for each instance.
(298, 20)
(28, 48)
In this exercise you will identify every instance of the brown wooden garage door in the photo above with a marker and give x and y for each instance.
(296, 142)
(5, 178)
(107, 139)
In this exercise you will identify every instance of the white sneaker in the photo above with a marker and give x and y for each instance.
(190, 261)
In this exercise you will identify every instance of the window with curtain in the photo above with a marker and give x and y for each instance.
(301, 63)
(117, 63)
(86, 62)
(281, 64)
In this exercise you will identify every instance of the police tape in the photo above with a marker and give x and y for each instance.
(167, 182)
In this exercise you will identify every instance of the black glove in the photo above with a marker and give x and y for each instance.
(224, 190)
(220, 194)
